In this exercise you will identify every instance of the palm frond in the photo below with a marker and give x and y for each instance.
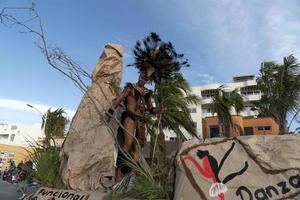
(55, 123)
(222, 104)
(47, 162)
(280, 87)
(146, 186)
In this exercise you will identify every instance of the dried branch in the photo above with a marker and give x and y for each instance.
(61, 62)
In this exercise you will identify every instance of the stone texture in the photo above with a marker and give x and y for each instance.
(89, 152)
(273, 168)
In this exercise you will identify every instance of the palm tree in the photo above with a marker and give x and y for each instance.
(280, 86)
(223, 102)
(55, 123)
(174, 98)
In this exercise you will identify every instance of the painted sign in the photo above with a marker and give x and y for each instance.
(226, 170)
(44, 193)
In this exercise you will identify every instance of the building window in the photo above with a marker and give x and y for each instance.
(214, 131)
(12, 137)
(206, 94)
(260, 128)
(4, 136)
(264, 128)
(250, 90)
(5, 127)
(247, 93)
(248, 130)
(195, 124)
(206, 110)
(267, 128)
(172, 138)
(192, 110)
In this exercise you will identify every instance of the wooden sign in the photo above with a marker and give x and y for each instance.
(231, 170)
(45, 193)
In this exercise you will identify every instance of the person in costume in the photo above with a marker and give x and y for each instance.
(157, 61)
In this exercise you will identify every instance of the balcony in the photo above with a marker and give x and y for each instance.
(207, 115)
(206, 100)
(253, 97)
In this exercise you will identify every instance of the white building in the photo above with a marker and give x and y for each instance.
(246, 86)
(18, 135)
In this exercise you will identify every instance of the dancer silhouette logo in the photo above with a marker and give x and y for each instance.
(210, 169)
(229, 169)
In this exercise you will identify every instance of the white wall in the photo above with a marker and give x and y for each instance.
(19, 135)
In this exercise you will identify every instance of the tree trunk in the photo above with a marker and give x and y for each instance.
(227, 130)
(222, 127)
(161, 145)
(282, 128)
(158, 147)
(152, 143)
(281, 120)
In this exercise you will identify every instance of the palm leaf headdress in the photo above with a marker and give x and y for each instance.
(153, 54)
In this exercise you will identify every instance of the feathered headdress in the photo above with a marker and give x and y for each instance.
(152, 54)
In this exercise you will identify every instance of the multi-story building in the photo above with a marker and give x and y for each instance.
(14, 141)
(18, 135)
(206, 121)
(247, 121)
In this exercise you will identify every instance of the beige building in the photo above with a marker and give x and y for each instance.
(14, 141)
(204, 118)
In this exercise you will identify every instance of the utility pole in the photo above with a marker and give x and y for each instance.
(42, 115)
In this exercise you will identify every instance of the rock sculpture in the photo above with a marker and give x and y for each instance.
(249, 167)
(89, 152)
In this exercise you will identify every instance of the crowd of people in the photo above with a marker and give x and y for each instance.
(22, 175)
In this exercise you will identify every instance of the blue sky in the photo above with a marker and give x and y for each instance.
(221, 38)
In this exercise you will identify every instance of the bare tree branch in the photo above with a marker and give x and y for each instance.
(61, 62)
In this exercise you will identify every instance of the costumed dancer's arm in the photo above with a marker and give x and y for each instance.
(118, 100)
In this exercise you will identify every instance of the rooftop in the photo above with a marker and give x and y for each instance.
(243, 78)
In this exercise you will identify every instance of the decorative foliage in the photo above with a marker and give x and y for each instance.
(45, 158)
(153, 52)
(222, 104)
(55, 123)
(146, 184)
(175, 97)
(280, 87)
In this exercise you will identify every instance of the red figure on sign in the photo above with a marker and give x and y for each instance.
(211, 170)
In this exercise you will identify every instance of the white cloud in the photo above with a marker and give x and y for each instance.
(205, 78)
(232, 37)
(197, 75)
(282, 31)
(19, 105)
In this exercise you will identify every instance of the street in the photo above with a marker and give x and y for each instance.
(8, 191)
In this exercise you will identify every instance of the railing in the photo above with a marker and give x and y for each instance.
(252, 97)
(206, 100)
